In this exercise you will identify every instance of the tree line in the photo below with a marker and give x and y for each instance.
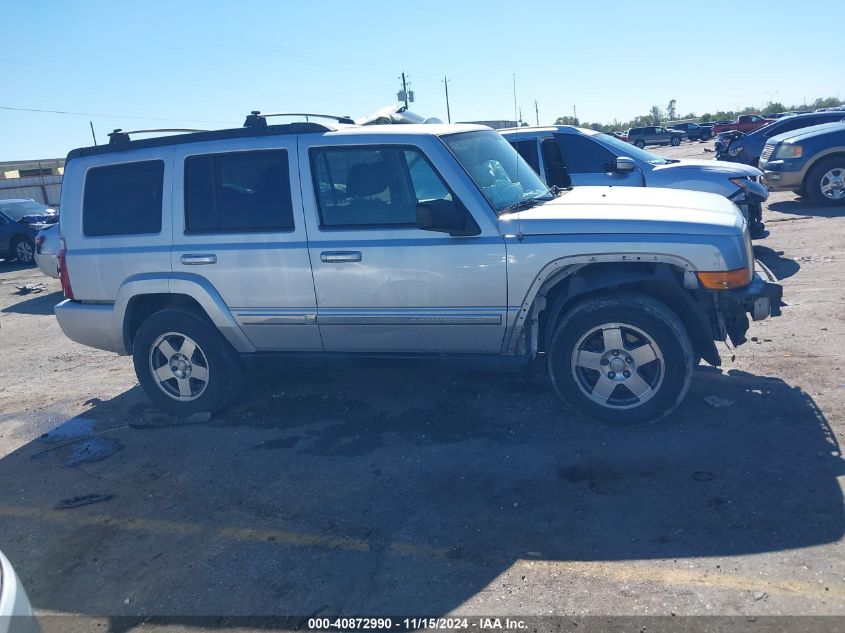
(658, 115)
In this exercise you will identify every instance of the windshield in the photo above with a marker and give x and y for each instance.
(626, 149)
(500, 172)
(23, 208)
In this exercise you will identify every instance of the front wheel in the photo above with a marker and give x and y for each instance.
(184, 364)
(675, 141)
(825, 182)
(623, 358)
(639, 144)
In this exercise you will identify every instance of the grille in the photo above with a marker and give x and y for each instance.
(767, 152)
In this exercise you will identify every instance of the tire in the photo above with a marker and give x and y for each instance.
(23, 249)
(825, 182)
(582, 354)
(704, 137)
(640, 143)
(675, 141)
(160, 344)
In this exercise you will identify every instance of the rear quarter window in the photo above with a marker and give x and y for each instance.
(123, 199)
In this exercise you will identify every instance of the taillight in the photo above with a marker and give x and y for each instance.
(39, 241)
(64, 278)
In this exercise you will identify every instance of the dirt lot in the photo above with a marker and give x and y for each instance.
(395, 488)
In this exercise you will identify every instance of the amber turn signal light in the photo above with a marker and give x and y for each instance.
(726, 280)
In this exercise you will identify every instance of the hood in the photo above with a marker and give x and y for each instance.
(630, 210)
(730, 170)
(796, 136)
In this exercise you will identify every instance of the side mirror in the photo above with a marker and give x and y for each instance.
(625, 163)
(446, 216)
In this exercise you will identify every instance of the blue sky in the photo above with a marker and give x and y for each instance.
(206, 64)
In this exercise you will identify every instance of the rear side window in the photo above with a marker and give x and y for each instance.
(583, 155)
(238, 192)
(123, 199)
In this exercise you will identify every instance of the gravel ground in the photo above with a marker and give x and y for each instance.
(400, 488)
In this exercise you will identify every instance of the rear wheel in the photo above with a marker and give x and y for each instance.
(623, 358)
(675, 141)
(24, 250)
(639, 143)
(184, 364)
(825, 183)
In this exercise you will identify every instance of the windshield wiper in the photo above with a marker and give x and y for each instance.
(524, 204)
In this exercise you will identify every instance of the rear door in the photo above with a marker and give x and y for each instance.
(238, 224)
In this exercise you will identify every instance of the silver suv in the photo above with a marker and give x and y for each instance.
(191, 251)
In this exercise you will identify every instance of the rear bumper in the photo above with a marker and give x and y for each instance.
(91, 324)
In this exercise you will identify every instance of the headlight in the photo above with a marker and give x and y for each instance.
(740, 181)
(789, 151)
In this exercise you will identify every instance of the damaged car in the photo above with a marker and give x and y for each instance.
(567, 156)
(190, 253)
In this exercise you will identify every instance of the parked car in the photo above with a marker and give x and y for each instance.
(694, 131)
(15, 611)
(567, 156)
(20, 221)
(747, 148)
(810, 162)
(46, 248)
(743, 123)
(189, 251)
(654, 135)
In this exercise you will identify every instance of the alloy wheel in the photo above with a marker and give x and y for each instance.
(618, 366)
(179, 366)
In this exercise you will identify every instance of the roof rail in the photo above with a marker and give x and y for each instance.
(256, 119)
(119, 136)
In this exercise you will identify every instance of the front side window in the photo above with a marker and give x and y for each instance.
(556, 171)
(583, 155)
(123, 199)
(238, 192)
(360, 187)
(497, 169)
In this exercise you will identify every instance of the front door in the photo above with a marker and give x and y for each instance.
(382, 284)
(589, 163)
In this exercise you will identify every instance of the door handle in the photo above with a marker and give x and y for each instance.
(336, 257)
(198, 260)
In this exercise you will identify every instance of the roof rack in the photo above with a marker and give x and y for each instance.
(119, 136)
(256, 119)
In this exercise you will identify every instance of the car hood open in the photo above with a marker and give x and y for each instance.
(628, 210)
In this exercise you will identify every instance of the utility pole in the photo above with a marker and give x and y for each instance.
(91, 123)
(574, 114)
(537, 112)
(446, 85)
(404, 90)
(514, 100)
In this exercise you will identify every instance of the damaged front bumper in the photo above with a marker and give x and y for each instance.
(761, 299)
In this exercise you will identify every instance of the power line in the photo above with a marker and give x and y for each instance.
(114, 116)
